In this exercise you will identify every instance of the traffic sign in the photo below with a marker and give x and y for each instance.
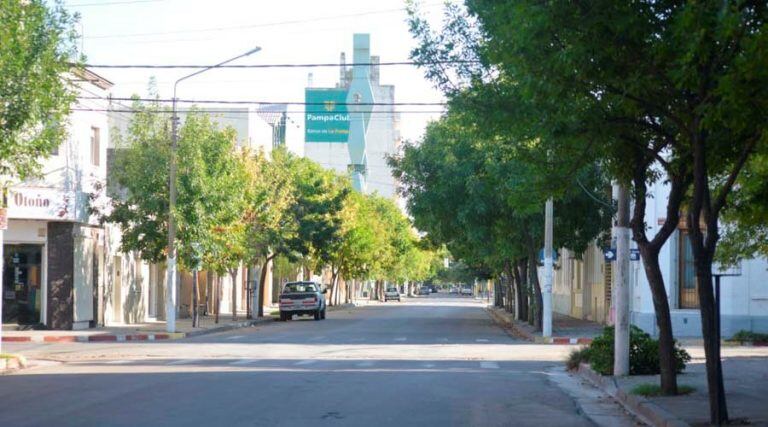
(541, 255)
(609, 254)
(634, 254)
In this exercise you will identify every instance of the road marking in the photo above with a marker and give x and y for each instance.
(305, 362)
(116, 362)
(489, 365)
(365, 364)
(184, 361)
(482, 340)
(244, 362)
(401, 339)
(236, 337)
(429, 365)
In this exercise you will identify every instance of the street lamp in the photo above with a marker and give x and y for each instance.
(170, 289)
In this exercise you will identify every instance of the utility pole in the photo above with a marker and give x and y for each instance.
(621, 290)
(170, 288)
(546, 292)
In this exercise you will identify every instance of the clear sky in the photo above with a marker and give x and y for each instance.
(288, 31)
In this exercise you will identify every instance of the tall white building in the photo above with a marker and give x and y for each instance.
(382, 137)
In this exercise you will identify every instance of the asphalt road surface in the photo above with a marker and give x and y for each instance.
(431, 361)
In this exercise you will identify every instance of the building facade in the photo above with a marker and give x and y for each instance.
(54, 249)
(583, 282)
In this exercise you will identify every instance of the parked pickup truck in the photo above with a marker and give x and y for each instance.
(302, 299)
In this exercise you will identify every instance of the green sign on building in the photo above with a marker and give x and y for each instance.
(326, 118)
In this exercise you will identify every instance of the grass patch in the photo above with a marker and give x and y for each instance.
(7, 356)
(651, 390)
(274, 313)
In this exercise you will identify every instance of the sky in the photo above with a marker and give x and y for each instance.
(288, 32)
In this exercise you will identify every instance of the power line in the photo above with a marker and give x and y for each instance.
(243, 102)
(309, 65)
(236, 111)
(246, 27)
(109, 3)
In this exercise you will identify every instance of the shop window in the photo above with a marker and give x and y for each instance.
(687, 281)
(95, 146)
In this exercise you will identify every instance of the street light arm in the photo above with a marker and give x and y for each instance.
(250, 52)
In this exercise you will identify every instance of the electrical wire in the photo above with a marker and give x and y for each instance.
(241, 111)
(306, 65)
(243, 102)
(246, 27)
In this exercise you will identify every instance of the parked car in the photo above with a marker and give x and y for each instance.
(391, 294)
(424, 290)
(302, 299)
(433, 289)
(466, 291)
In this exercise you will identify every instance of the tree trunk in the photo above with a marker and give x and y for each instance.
(248, 292)
(521, 276)
(233, 274)
(262, 285)
(649, 252)
(195, 298)
(217, 297)
(534, 280)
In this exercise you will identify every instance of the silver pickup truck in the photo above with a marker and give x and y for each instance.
(302, 299)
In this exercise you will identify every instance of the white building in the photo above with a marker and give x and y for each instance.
(382, 138)
(582, 284)
(54, 250)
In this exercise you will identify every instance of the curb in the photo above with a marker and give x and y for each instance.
(12, 363)
(56, 339)
(648, 411)
(519, 332)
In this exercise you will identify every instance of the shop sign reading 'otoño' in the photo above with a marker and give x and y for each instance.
(40, 203)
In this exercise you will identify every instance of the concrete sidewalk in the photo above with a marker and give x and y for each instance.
(565, 329)
(745, 371)
(149, 331)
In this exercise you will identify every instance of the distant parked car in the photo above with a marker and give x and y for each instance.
(302, 299)
(454, 290)
(424, 290)
(391, 294)
(466, 291)
(433, 289)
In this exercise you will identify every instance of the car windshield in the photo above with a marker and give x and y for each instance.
(300, 287)
(392, 290)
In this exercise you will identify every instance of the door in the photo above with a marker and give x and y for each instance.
(117, 289)
(22, 296)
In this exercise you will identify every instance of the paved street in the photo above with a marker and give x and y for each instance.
(427, 361)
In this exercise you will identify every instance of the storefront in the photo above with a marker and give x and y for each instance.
(52, 276)
(22, 284)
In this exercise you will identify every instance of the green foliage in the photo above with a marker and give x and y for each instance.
(749, 336)
(210, 200)
(643, 353)
(576, 357)
(37, 50)
(650, 390)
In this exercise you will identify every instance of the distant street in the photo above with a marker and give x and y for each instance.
(435, 360)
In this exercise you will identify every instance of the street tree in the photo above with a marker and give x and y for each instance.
(38, 69)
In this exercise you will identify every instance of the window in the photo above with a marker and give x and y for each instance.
(687, 282)
(95, 146)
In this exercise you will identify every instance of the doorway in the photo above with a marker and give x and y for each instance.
(117, 289)
(22, 279)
